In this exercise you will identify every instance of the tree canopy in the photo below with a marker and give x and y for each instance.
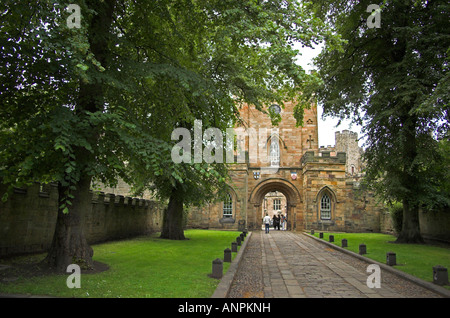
(393, 80)
(99, 102)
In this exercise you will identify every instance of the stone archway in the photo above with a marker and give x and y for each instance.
(293, 199)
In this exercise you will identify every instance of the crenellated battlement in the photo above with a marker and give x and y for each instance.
(346, 133)
(118, 200)
(28, 218)
(323, 157)
(97, 197)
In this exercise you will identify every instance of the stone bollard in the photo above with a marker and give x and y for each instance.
(440, 275)
(321, 235)
(238, 240)
(391, 259)
(242, 236)
(331, 238)
(217, 268)
(227, 255)
(234, 247)
(344, 243)
(362, 249)
(312, 232)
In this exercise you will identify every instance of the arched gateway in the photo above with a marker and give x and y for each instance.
(288, 189)
(320, 190)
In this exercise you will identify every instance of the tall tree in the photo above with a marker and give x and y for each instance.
(51, 83)
(394, 80)
(228, 53)
(61, 116)
(100, 102)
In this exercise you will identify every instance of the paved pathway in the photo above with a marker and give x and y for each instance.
(294, 265)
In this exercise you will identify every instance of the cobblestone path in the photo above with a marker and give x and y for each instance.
(284, 264)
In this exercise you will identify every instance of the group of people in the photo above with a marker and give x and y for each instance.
(277, 220)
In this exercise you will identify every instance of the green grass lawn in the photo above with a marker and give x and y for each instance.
(142, 267)
(415, 259)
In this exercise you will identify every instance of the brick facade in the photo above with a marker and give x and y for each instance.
(305, 174)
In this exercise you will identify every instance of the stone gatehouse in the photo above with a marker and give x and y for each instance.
(320, 185)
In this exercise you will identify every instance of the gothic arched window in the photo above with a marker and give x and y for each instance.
(325, 207)
(274, 152)
(228, 206)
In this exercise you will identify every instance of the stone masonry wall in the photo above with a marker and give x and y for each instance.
(434, 225)
(352, 210)
(210, 216)
(28, 218)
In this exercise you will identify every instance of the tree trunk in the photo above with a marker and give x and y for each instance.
(410, 227)
(173, 218)
(69, 245)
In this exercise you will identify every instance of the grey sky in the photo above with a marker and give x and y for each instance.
(327, 127)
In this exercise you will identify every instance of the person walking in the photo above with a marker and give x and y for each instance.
(266, 222)
(275, 221)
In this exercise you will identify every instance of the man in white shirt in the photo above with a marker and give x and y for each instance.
(266, 222)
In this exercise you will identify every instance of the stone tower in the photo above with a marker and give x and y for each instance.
(347, 141)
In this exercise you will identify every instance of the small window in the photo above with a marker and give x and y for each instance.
(277, 204)
(325, 207)
(228, 207)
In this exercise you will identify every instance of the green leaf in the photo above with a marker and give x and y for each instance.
(84, 67)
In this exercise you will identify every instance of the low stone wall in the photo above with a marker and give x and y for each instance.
(434, 225)
(28, 218)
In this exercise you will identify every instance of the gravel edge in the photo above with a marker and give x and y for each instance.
(224, 286)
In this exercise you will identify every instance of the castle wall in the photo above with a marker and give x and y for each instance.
(28, 219)
(435, 224)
